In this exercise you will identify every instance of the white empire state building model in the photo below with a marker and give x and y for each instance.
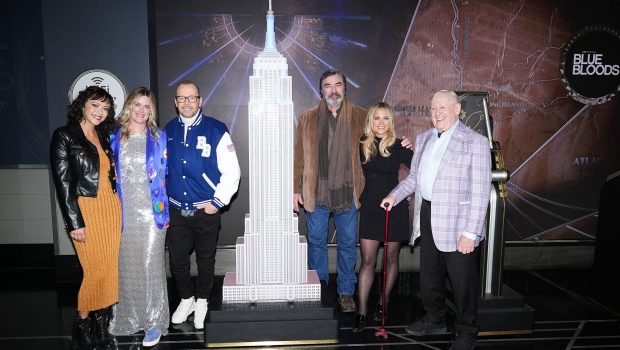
(272, 258)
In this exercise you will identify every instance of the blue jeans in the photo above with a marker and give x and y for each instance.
(346, 236)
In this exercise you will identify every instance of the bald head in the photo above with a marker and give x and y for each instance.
(445, 109)
(448, 94)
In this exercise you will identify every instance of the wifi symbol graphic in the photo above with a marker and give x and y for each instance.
(97, 80)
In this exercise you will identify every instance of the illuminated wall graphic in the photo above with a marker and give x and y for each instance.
(559, 151)
(215, 42)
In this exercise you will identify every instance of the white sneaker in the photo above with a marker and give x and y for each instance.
(185, 308)
(202, 306)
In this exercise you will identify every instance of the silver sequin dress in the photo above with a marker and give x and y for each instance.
(143, 295)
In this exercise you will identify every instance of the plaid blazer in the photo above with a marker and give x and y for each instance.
(461, 191)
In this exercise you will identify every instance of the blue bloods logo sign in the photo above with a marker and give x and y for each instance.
(591, 65)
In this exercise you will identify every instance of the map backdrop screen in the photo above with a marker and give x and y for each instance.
(559, 151)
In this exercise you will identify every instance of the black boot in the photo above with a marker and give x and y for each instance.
(102, 321)
(83, 335)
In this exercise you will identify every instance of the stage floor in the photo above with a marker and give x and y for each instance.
(37, 311)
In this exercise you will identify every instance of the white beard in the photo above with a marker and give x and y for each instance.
(332, 102)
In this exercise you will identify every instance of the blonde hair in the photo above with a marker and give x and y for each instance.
(125, 117)
(368, 144)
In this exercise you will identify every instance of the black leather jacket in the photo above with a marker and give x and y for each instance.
(75, 169)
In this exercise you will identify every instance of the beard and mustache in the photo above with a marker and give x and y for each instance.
(334, 100)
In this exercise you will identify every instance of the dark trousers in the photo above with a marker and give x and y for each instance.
(463, 271)
(186, 233)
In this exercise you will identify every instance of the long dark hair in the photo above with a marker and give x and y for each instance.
(75, 110)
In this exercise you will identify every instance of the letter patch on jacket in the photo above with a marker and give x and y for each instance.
(204, 146)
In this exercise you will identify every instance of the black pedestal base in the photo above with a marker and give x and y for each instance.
(271, 324)
(505, 314)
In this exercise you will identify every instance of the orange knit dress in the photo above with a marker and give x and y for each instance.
(98, 254)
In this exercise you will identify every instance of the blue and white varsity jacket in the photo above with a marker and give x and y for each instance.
(203, 166)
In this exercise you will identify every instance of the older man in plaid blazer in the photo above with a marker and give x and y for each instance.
(451, 177)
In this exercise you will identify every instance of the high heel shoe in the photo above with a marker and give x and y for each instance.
(378, 312)
(359, 323)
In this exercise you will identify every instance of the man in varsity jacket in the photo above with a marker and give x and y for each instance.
(203, 175)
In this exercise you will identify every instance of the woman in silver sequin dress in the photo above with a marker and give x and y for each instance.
(139, 148)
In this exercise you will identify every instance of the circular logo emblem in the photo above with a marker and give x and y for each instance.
(159, 206)
(591, 65)
(105, 80)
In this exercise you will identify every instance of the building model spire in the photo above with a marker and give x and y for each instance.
(270, 35)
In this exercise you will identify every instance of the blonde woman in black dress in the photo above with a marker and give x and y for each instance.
(381, 155)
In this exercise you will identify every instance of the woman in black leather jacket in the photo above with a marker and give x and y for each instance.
(84, 177)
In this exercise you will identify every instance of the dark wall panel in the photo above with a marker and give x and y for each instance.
(82, 35)
(23, 99)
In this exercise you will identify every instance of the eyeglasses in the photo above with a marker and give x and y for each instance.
(191, 99)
